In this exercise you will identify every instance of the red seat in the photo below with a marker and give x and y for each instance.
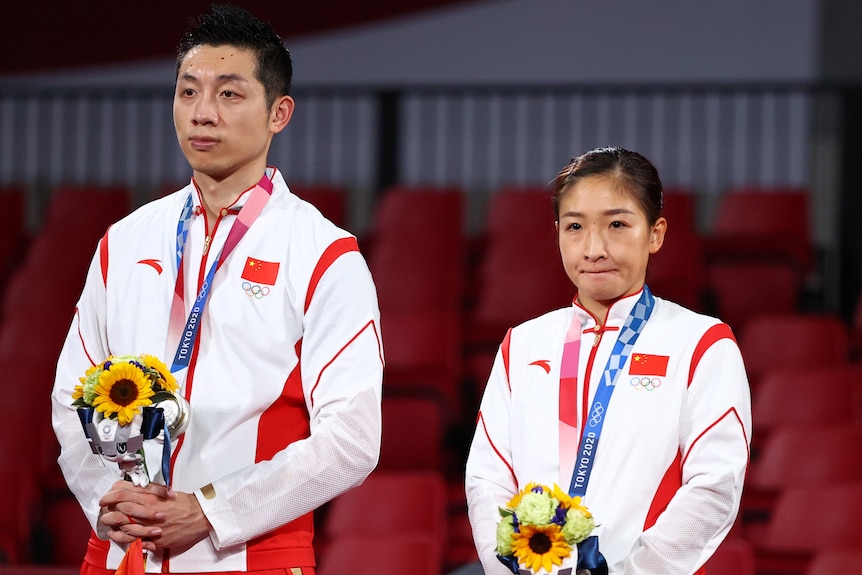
(520, 278)
(519, 209)
(417, 271)
(436, 210)
(742, 290)
(416, 248)
(792, 341)
(800, 456)
(762, 224)
(389, 504)
(519, 272)
(805, 397)
(413, 434)
(680, 210)
(360, 553)
(13, 234)
(460, 547)
(423, 356)
(86, 211)
(837, 561)
(19, 499)
(331, 200)
(809, 520)
(734, 556)
(677, 272)
(35, 334)
(35, 456)
(53, 286)
(66, 530)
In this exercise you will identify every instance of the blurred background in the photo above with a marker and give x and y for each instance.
(431, 131)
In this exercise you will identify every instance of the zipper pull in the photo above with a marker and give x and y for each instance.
(207, 244)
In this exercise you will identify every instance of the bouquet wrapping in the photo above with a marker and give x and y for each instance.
(124, 401)
(540, 530)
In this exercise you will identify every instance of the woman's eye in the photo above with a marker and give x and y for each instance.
(574, 226)
(618, 224)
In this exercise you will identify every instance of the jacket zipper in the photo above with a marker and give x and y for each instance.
(166, 560)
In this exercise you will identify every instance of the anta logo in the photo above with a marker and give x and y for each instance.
(543, 363)
(155, 264)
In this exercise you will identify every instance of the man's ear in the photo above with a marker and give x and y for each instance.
(282, 110)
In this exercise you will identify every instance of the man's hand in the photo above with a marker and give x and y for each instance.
(156, 514)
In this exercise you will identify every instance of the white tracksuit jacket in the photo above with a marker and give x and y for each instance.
(284, 389)
(671, 460)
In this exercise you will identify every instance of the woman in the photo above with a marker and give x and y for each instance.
(660, 467)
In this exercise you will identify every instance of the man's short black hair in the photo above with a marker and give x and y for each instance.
(226, 25)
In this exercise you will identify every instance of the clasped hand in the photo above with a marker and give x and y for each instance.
(158, 515)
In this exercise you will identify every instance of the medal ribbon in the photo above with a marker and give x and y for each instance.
(187, 338)
(246, 217)
(592, 428)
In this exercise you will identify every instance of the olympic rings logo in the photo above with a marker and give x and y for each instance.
(254, 290)
(647, 383)
(204, 287)
(597, 414)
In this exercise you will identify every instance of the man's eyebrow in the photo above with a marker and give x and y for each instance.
(222, 78)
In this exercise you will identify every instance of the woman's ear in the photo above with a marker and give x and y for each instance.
(656, 239)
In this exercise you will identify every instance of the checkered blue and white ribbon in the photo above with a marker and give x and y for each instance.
(592, 427)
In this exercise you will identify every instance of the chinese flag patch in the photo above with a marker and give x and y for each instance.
(647, 364)
(260, 272)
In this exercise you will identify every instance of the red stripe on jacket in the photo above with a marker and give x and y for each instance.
(712, 335)
(335, 250)
(103, 258)
(284, 422)
(672, 480)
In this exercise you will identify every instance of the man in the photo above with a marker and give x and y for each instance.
(283, 373)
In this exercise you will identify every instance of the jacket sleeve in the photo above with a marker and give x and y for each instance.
(715, 429)
(490, 480)
(87, 475)
(341, 363)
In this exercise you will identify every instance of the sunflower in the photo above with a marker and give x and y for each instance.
(166, 379)
(538, 547)
(122, 390)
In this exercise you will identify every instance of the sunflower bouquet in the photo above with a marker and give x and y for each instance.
(125, 400)
(540, 527)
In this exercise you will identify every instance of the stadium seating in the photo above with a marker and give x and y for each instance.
(754, 223)
(331, 200)
(733, 557)
(792, 341)
(807, 520)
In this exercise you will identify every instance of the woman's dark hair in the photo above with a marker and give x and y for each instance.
(635, 174)
(231, 26)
